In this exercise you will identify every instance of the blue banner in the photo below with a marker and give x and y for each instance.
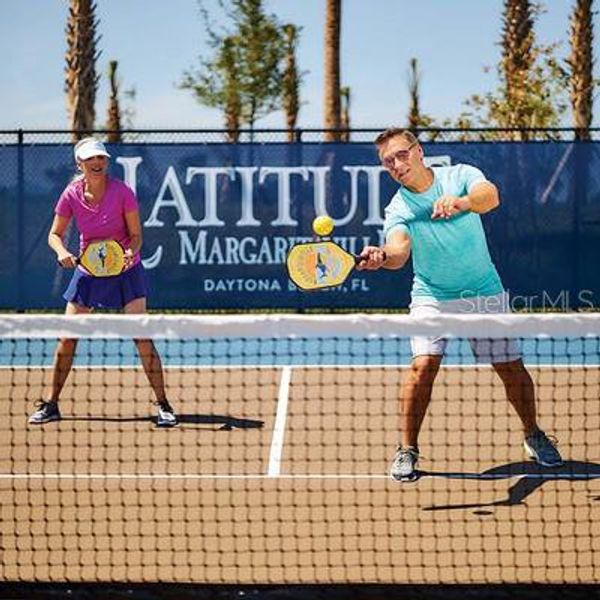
(219, 219)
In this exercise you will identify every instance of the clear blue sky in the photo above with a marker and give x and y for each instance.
(156, 40)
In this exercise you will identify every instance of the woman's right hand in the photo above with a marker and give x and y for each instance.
(66, 260)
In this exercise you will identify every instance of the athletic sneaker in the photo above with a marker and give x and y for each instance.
(542, 449)
(46, 412)
(404, 465)
(166, 415)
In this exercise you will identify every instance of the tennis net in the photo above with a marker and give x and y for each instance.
(278, 469)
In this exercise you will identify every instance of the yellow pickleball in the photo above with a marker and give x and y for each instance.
(322, 225)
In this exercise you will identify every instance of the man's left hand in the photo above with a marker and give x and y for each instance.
(448, 206)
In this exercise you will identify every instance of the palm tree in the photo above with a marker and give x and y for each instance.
(81, 81)
(113, 123)
(417, 119)
(517, 58)
(581, 62)
(345, 113)
(332, 69)
(414, 79)
(290, 80)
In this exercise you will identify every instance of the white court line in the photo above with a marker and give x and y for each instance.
(276, 451)
(104, 476)
(305, 476)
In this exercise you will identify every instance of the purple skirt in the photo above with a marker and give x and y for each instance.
(107, 292)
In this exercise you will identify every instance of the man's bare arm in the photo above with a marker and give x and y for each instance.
(393, 255)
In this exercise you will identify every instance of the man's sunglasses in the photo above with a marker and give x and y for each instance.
(402, 155)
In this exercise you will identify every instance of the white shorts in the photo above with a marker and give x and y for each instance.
(485, 350)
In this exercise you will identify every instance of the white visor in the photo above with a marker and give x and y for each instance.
(90, 148)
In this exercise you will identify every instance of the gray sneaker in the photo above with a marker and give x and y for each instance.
(45, 412)
(166, 416)
(542, 449)
(404, 465)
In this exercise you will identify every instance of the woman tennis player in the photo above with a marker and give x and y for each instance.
(104, 209)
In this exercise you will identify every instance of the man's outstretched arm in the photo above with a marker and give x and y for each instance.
(393, 255)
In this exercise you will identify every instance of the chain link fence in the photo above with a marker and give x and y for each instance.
(546, 236)
(299, 135)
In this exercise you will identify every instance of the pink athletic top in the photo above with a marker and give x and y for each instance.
(105, 221)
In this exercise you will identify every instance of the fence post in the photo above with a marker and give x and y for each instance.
(579, 192)
(20, 223)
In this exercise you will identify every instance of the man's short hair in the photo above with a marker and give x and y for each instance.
(388, 134)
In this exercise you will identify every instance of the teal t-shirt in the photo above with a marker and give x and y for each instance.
(450, 257)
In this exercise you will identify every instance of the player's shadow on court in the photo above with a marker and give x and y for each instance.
(221, 422)
(530, 477)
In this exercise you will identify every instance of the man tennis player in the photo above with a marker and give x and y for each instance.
(435, 214)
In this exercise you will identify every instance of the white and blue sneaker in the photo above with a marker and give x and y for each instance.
(404, 465)
(166, 416)
(542, 449)
(45, 412)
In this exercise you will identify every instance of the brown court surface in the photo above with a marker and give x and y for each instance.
(195, 504)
